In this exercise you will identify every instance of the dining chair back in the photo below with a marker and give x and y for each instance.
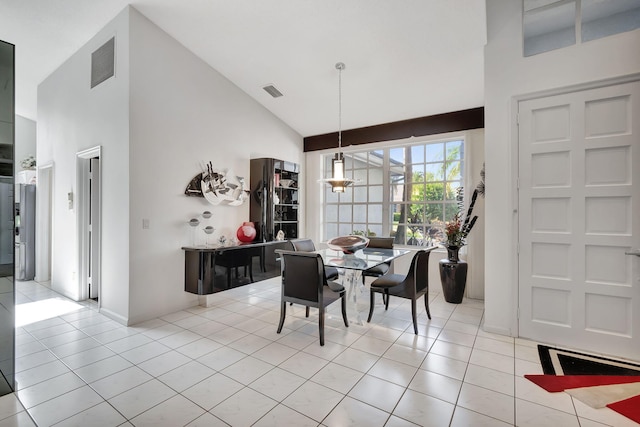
(304, 282)
(380, 269)
(303, 245)
(413, 285)
(306, 245)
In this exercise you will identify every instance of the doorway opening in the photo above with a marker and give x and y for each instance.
(89, 210)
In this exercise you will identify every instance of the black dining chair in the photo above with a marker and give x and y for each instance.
(380, 269)
(306, 245)
(304, 282)
(412, 286)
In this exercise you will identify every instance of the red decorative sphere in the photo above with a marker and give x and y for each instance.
(246, 232)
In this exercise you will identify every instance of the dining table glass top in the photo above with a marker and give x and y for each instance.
(362, 259)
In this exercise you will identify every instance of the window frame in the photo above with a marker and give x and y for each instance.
(337, 206)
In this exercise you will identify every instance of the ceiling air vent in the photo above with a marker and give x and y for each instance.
(271, 90)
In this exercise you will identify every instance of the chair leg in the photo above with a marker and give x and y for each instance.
(426, 305)
(414, 316)
(283, 312)
(307, 312)
(321, 325)
(372, 299)
(343, 303)
(386, 301)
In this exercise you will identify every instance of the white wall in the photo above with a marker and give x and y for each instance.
(507, 75)
(473, 253)
(184, 113)
(25, 143)
(73, 117)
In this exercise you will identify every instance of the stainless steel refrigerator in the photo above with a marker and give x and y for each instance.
(25, 253)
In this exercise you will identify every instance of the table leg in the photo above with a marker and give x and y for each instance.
(353, 284)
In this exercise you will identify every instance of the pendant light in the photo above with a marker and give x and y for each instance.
(338, 181)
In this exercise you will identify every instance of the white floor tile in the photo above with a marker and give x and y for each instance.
(487, 402)
(87, 357)
(283, 416)
(247, 370)
(527, 390)
(221, 358)
(392, 371)
(436, 385)
(64, 406)
(21, 419)
(250, 343)
(177, 411)
(213, 390)
(303, 365)
(453, 351)
(145, 352)
(164, 363)
(356, 359)
(141, 398)
(9, 405)
(274, 353)
(313, 400)
(102, 368)
(204, 361)
(120, 382)
(199, 348)
(179, 339)
(46, 390)
(102, 415)
(424, 410)
(351, 412)
(491, 379)
(463, 417)
(491, 360)
(40, 373)
(187, 375)
(207, 420)
(531, 415)
(368, 390)
(406, 355)
(337, 377)
(244, 408)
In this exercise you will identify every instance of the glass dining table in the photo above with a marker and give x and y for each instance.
(353, 265)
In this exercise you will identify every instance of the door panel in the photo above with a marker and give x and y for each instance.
(579, 158)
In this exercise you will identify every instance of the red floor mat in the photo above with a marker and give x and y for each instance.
(553, 383)
(630, 408)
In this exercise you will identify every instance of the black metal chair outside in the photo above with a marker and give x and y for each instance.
(412, 286)
(304, 282)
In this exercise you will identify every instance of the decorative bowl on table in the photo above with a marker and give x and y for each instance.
(348, 244)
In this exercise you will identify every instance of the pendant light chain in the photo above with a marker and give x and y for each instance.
(340, 67)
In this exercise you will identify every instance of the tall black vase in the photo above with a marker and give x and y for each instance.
(453, 275)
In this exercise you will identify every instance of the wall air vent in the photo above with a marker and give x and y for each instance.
(271, 90)
(102, 62)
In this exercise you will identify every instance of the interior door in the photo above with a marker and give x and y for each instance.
(94, 228)
(579, 158)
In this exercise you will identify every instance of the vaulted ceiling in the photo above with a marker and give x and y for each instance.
(404, 59)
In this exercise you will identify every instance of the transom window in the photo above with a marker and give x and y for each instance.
(406, 192)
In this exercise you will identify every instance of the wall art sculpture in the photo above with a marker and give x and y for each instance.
(218, 187)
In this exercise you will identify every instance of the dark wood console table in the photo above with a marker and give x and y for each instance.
(200, 262)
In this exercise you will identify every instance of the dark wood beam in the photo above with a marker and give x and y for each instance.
(421, 126)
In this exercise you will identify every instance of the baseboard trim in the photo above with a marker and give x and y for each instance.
(114, 316)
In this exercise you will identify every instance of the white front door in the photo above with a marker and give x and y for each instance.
(579, 161)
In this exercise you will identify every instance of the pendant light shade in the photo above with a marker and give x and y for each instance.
(338, 181)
